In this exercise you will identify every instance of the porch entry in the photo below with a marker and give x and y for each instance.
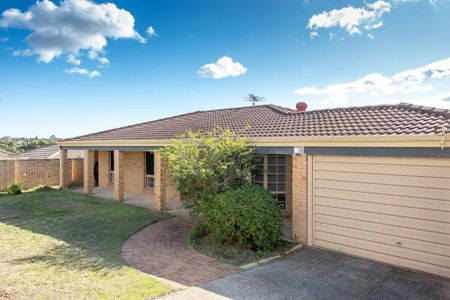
(149, 169)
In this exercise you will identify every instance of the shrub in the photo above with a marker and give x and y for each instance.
(246, 216)
(204, 164)
(41, 188)
(14, 189)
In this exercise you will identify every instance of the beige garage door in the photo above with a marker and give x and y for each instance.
(391, 209)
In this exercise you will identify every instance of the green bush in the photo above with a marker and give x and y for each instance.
(204, 164)
(246, 216)
(41, 188)
(14, 189)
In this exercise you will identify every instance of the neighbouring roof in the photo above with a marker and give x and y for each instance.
(4, 154)
(49, 152)
(275, 121)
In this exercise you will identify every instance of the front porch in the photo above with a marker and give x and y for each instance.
(138, 176)
(134, 177)
(172, 206)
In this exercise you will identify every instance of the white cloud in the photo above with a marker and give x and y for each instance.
(352, 19)
(435, 70)
(94, 74)
(374, 26)
(445, 97)
(103, 60)
(98, 56)
(69, 28)
(441, 100)
(81, 71)
(224, 67)
(151, 31)
(313, 35)
(432, 2)
(72, 59)
(376, 84)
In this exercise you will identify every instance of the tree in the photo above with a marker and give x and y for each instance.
(205, 163)
(21, 144)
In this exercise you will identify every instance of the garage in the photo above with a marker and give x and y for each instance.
(390, 209)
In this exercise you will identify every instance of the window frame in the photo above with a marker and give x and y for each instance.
(149, 179)
(265, 183)
(111, 166)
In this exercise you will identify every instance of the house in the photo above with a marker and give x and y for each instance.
(4, 154)
(370, 181)
(39, 166)
(47, 152)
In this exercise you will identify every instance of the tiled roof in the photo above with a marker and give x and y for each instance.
(49, 152)
(275, 121)
(4, 155)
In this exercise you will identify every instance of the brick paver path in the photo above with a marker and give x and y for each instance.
(162, 250)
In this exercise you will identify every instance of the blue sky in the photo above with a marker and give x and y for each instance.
(77, 66)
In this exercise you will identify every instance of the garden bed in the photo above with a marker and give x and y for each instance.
(235, 255)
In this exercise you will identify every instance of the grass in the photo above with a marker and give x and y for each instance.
(232, 254)
(65, 245)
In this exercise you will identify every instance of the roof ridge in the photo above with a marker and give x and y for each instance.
(343, 108)
(280, 109)
(426, 109)
(404, 105)
(277, 108)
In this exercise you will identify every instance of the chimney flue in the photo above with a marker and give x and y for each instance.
(301, 106)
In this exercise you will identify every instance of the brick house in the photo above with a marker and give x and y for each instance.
(4, 155)
(39, 166)
(371, 181)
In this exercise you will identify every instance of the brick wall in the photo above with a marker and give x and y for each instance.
(134, 172)
(103, 169)
(288, 212)
(171, 189)
(7, 173)
(77, 171)
(33, 172)
(300, 197)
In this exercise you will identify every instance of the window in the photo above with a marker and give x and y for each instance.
(149, 170)
(271, 174)
(111, 166)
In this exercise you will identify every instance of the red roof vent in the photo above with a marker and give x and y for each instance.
(301, 106)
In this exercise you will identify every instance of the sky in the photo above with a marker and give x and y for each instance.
(73, 67)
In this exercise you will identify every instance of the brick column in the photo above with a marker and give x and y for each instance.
(88, 172)
(63, 169)
(18, 171)
(300, 197)
(119, 175)
(160, 183)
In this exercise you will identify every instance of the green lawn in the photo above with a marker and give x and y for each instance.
(64, 245)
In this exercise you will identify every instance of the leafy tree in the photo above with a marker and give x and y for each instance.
(205, 163)
(21, 144)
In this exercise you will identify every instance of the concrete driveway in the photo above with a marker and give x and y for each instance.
(320, 274)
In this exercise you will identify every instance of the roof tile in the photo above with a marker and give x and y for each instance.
(275, 121)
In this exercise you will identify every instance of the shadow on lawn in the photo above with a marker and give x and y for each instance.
(90, 231)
